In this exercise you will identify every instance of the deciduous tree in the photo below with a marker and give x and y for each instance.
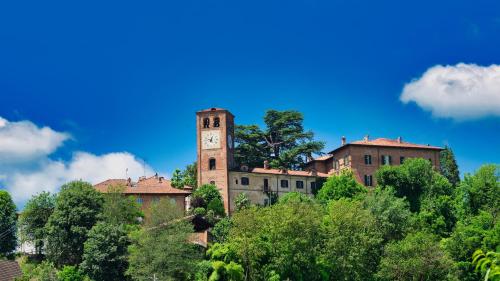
(448, 166)
(78, 207)
(8, 219)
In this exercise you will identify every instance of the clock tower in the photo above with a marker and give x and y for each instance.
(215, 149)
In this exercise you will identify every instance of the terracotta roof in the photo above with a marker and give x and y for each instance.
(151, 185)
(322, 158)
(390, 143)
(288, 172)
(9, 270)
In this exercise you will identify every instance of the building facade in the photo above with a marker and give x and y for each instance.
(149, 190)
(216, 165)
(215, 139)
(366, 156)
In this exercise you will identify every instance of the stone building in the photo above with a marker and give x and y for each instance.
(148, 190)
(364, 157)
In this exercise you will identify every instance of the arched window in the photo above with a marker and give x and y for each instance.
(216, 122)
(206, 122)
(211, 164)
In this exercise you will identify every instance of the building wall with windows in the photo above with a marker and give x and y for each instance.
(365, 160)
(254, 185)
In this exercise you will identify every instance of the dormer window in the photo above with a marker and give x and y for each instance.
(206, 122)
(216, 122)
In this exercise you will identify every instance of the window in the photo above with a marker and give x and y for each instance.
(236, 181)
(368, 180)
(368, 159)
(245, 181)
(299, 184)
(313, 187)
(346, 160)
(212, 182)
(139, 200)
(266, 183)
(386, 159)
(206, 122)
(211, 164)
(401, 160)
(284, 183)
(216, 122)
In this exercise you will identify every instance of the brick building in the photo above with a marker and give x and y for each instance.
(364, 157)
(148, 190)
(216, 165)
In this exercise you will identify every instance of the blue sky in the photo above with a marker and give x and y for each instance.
(128, 76)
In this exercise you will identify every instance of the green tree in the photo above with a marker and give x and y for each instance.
(220, 231)
(177, 181)
(70, 273)
(340, 186)
(119, 208)
(392, 214)
(415, 180)
(78, 207)
(295, 197)
(190, 175)
(282, 240)
(242, 201)
(417, 257)
(488, 264)
(448, 166)
(283, 142)
(353, 243)
(105, 253)
(479, 192)
(8, 219)
(479, 232)
(209, 198)
(34, 217)
(161, 248)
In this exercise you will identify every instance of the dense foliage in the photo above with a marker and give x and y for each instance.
(34, 217)
(8, 239)
(283, 141)
(448, 166)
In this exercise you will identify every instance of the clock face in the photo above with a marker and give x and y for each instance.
(210, 139)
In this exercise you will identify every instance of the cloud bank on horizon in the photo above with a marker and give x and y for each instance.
(26, 166)
(460, 92)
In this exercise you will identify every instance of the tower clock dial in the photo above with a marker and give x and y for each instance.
(210, 139)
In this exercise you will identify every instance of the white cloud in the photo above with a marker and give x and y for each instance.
(83, 166)
(461, 92)
(24, 141)
(26, 167)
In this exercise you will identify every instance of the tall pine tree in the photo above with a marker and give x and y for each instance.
(449, 167)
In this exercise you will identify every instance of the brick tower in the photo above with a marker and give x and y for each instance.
(215, 144)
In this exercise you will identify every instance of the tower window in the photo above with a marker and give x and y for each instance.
(245, 181)
(211, 164)
(206, 122)
(216, 122)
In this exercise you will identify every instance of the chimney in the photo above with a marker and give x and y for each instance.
(156, 175)
(367, 138)
(266, 164)
(400, 139)
(343, 140)
(160, 179)
(129, 182)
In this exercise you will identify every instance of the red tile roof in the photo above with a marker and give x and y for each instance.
(288, 172)
(9, 270)
(151, 185)
(390, 143)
